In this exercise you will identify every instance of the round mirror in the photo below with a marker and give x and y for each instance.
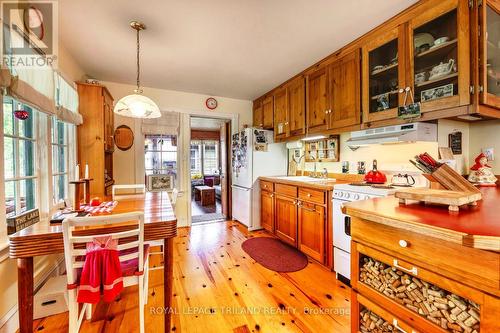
(124, 137)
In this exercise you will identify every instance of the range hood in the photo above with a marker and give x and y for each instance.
(394, 134)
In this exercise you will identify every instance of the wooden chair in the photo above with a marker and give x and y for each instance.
(137, 190)
(135, 264)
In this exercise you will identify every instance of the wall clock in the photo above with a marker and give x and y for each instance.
(211, 103)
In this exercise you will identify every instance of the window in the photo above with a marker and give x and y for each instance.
(161, 154)
(60, 160)
(210, 157)
(20, 167)
(195, 158)
(204, 157)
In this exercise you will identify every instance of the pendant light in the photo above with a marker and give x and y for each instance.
(137, 105)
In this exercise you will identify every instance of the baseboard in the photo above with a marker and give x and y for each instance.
(10, 322)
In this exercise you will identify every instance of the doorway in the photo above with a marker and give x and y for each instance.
(209, 170)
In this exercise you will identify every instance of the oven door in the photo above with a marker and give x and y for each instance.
(341, 227)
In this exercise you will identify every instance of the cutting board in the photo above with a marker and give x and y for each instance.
(453, 199)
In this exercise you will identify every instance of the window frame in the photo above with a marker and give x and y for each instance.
(160, 152)
(43, 173)
(54, 131)
(17, 138)
(201, 149)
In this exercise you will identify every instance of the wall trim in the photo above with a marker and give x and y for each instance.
(10, 322)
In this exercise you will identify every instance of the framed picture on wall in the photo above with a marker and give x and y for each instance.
(157, 183)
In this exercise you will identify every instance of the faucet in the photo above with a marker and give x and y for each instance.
(324, 174)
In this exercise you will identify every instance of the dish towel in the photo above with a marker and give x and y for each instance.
(101, 271)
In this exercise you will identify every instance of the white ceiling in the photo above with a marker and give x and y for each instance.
(230, 48)
(208, 124)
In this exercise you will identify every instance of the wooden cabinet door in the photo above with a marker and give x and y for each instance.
(285, 219)
(267, 210)
(258, 119)
(345, 93)
(449, 88)
(489, 53)
(311, 222)
(268, 113)
(297, 106)
(383, 74)
(281, 125)
(317, 100)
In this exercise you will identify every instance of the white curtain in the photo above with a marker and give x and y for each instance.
(34, 87)
(66, 97)
(167, 124)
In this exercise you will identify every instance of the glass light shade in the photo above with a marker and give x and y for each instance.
(137, 106)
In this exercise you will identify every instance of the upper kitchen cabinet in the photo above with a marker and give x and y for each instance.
(383, 74)
(263, 113)
(317, 100)
(258, 119)
(345, 77)
(439, 56)
(268, 112)
(296, 92)
(489, 53)
(281, 120)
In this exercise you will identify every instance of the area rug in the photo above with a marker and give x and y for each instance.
(274, 254)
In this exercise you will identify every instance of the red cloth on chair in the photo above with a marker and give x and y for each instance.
(101, 271)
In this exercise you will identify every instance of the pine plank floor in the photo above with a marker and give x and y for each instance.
(219, 288)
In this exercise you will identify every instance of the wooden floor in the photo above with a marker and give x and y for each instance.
(219, 288)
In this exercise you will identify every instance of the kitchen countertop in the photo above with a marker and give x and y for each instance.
(473, 226)
(319, 184)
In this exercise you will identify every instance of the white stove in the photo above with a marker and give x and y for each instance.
(343, 193)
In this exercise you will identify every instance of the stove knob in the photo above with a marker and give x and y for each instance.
(356, 197)
(347, 195)
(367, 197)
(341, 194)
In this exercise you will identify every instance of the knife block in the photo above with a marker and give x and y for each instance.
(451, 180)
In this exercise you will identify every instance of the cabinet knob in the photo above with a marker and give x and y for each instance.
(403, 243)
(308, 195)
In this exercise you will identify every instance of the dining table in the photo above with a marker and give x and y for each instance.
(45, 238)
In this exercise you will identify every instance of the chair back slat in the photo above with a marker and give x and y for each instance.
(75, 243)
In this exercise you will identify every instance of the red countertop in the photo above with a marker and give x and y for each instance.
(474, 224)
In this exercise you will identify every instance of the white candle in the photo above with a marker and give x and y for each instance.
(86, 171)
(77, 172)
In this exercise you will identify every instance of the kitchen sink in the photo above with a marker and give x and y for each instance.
(305, 178)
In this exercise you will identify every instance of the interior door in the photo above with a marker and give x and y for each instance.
(224, 168)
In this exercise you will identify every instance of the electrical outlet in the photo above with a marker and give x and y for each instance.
(490, 153)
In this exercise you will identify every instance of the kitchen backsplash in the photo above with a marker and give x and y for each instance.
(390, 157)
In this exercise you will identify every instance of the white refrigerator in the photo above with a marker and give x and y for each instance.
(254, 154)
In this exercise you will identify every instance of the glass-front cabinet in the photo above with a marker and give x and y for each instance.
(489, 20)
(383, 75)
(425, 60)
(439, 56)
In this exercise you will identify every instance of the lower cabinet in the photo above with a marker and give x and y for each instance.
(267, 210)
(311, 222)
(297, 216)
(286, 219)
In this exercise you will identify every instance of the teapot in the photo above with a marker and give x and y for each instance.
(442, 69)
